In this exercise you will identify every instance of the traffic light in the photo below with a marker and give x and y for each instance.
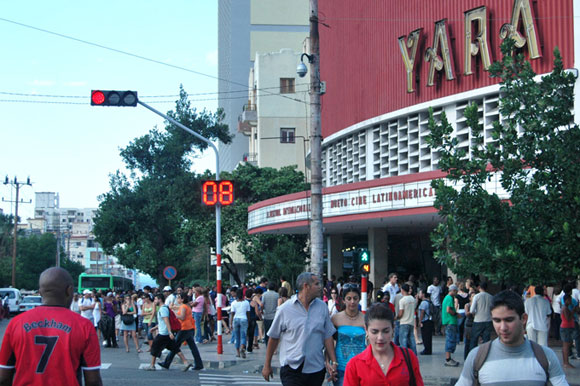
(213, 192)
(114, 98)
(364, 258)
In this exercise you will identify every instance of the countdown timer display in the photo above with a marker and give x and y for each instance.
(217, 192)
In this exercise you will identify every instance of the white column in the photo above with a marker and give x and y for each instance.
(335, 258)
(378, 246)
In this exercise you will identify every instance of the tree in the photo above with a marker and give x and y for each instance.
(266, 255)
(534, 237)
(6, 229)
(145, 218)
(35, 254)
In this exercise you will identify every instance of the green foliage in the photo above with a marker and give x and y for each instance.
(146, 218)
(6, 228)
(266, 255)
(535, 236)
(35, 254)
(154, 217)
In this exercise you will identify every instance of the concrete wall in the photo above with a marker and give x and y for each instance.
(289, 110)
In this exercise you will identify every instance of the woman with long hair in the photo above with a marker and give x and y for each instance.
(382, 362)
(240, 313)
(197, 306)
(350, 326)
(334, 303)
(129, 308)
(283, 295)
(149, 318)
(208, 317)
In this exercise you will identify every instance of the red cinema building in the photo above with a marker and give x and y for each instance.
(385, 63)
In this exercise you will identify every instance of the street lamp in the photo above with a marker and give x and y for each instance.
(129, 98)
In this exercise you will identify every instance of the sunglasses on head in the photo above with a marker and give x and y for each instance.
(347, 287)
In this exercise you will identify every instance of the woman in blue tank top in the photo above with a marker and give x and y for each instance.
(349, 323)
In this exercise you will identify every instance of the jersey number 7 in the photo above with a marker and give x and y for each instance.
(49, 342)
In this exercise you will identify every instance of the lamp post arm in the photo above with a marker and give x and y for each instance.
(218, 211)
(197, 135)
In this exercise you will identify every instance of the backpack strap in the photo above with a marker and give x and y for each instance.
(407, 356)
(541, 357)
(479, 360)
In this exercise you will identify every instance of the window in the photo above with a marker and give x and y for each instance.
(287, 135)
(287, 86)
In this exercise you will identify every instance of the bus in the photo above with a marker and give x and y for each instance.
(104, 282)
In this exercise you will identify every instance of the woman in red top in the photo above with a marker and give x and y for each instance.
(567, 330)
(382, 363)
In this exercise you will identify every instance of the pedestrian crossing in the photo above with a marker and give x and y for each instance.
(215, 379)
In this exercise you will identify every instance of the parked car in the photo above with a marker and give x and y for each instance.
(30, 302)
(14, 298)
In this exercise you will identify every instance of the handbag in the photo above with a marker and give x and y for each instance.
(127, 319)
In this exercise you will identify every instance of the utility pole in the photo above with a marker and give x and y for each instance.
(316, 231)
(17, 185)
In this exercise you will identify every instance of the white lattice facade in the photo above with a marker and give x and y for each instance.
(398, 145)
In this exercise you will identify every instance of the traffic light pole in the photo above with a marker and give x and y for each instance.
(218, 213)
(363, 293)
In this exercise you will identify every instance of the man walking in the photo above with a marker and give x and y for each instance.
(303, 328)
(51, 345)
(538, 311)
(392, 287)
(406, 318)
(165, 339)
(87, 305)
(481, 308)
(435, 291)
(449, 320)
(284, 283)
(270, 304)
(511, 359)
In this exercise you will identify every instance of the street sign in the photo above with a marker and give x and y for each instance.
(169, 272)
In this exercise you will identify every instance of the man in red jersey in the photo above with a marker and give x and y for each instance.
(51, 344)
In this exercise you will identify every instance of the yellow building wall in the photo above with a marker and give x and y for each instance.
(262, 41)
(279, 12)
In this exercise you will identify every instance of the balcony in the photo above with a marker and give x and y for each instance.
(248, 119)
(251, 158)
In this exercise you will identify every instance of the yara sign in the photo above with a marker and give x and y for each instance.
(476, 42)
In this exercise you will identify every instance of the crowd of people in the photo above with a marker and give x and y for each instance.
(405, 314)
(318, 329)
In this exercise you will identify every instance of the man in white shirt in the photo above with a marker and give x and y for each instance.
(302, 327)
(482, 324)
(169, 296)
(435, 291)
(86, 305)
(392, 287)
(406, 317)
(538, 310)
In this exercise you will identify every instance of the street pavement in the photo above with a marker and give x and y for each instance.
(121, 368)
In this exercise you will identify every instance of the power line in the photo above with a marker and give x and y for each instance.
(85, 103)
(153, 96)
(135, 55)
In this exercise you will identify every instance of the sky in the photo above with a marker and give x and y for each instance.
(48, 130)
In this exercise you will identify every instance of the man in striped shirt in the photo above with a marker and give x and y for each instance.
(511, 359)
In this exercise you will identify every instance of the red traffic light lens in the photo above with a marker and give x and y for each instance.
(97, 98)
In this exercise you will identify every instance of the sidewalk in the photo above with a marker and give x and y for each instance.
(432, 368)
